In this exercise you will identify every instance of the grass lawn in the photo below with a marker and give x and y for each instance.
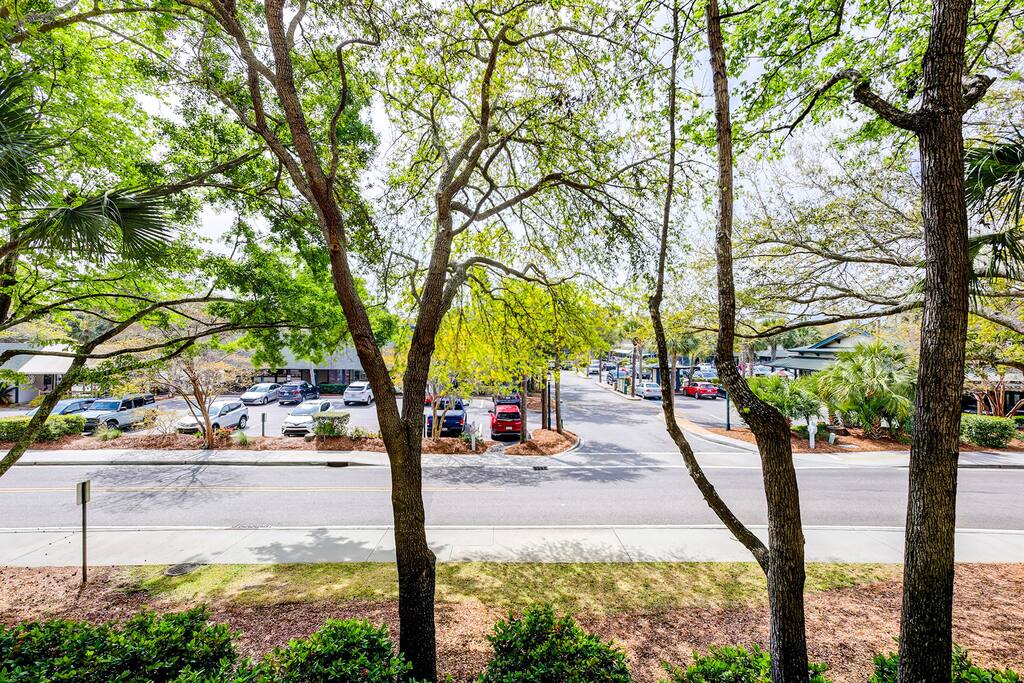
(597, 588)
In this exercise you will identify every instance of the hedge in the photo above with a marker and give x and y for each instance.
(543, 648)
(331, 423)
(988, 431)
(962, 668)
(728, 664)
(332, 388)
(148, 647)
(12, 428)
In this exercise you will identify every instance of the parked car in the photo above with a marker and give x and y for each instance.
(261, 394)
(116, 413)
(782, 372)
(614, 376)
(762, 371)
(648, 390)
(297, 392)
(67, 406)
(512, 399)
(227, 414)
(701, 390)
(505, 419)
(453, 422)
(358, 392)
(594, 368)
(300, 420)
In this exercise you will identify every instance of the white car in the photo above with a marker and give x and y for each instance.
(648, 390)
(299, 421)
(260, 394)
(358, 392)
(762, 371)
(223, 415)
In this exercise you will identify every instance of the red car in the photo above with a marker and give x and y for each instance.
(701, 390)
(505, 419)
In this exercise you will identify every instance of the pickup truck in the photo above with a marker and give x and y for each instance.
(452, 413)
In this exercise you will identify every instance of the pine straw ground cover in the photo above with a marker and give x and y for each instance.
(853, 442)
(656, 612)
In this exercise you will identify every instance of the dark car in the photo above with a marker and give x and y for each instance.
(452, 413)
(296, 392)
(68, 406)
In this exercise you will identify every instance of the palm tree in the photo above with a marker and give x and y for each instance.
(117, 223)
(870, 385)
(995, 191)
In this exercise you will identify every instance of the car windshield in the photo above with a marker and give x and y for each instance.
(306, 409)
(260, 388)
(105, 405)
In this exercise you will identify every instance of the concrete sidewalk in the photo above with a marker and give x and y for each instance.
(581, 458)
(170, 545)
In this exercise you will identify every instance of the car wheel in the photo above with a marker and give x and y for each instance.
(347, 403)
(112, 424)
(265, 401)
(242, 421)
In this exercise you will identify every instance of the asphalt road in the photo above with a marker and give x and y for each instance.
(646, 486)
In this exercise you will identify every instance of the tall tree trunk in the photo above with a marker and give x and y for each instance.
(788, 641)
(926, 625)
(545, 415)
(632, 379)
(8, 278)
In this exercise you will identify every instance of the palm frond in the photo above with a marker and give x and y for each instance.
(131, 225)
(995, 176)
(22, 143)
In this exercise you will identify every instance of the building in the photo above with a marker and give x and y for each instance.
(341, 367)
(40, 374)
(805, 360)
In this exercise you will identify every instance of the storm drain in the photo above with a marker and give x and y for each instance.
(182, 568)
(539, 468)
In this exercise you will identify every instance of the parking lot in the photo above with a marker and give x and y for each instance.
(266, 420)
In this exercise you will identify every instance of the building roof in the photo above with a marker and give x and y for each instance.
(801, 363)
(345, 358)
(34, 364)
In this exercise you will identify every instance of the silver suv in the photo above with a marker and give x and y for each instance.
(116, 413)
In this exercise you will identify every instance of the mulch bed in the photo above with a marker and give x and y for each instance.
(443, 445)
(544, 442)
(845, 626)
(854, 441)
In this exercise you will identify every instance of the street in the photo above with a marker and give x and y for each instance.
(627, 472)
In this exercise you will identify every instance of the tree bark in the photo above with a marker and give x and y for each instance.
(927, 619)
(788, 642)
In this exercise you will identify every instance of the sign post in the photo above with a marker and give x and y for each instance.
(728, 413)
(83, 492)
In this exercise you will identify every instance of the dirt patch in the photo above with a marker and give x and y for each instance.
(854, 441)
(544, 442)
(845, 626)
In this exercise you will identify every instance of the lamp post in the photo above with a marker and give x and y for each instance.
(728, 413)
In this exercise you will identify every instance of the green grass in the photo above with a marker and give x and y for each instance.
(596, 588)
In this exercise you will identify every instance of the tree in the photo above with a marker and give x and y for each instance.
(480, 94)
(793, 398)
(871, 385)
(199, 376)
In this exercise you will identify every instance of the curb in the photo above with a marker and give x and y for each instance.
(694, 428)
(628, 398)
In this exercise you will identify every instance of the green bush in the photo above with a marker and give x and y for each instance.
(988, 431)
(542, 648)
(108, 434)
(349, 651)
(331, 423)
(871, 387)
(728, 664)
(332, 388)
(963, 670)
(793, 398)
(146, 648)
(12, 428)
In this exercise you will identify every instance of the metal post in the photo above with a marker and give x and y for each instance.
(728, 413)
(82, 494)
(263, 423)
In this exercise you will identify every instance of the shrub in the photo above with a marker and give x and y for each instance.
(872, 384)
(963, 670)
(332, 388)
(793, 398)
(147, 647)
(728, 664)
(242, 438)
(542, 648)
(341, 652)
(331, 423)
(107, 434)
(985, 430)
(13, 428)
